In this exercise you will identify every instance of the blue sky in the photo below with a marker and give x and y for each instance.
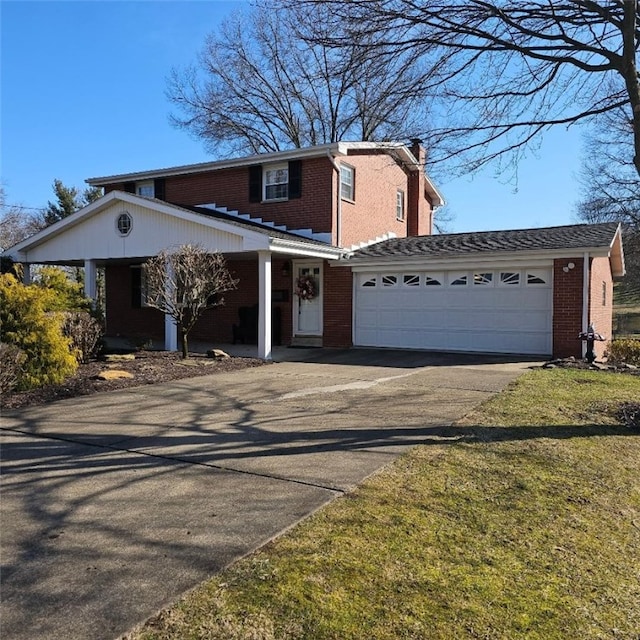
(82, 95)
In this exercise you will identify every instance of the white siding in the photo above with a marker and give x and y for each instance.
(97, 237)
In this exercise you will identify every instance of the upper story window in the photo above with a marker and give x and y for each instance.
(347, 182)
(276, 182)
(145, 189)
(400, 204)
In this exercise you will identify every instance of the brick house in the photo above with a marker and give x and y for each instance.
(355, 220)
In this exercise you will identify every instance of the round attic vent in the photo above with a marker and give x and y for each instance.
(124, 223)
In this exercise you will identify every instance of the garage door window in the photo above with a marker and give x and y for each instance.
(536, 278)
(389, 281)
(510, 278)
(411, 280)
(370, 282)
(459, 280)
(483, 278)
(434, 280)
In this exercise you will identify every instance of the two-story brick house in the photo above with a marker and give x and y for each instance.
(355, 219)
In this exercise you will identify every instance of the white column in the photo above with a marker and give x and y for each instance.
(264, 305)
(26, 273)
(170, 327)
(90, 275)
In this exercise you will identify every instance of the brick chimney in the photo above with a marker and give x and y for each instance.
(418, 207)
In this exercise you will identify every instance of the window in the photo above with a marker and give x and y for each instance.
(347, 182)
(411, 280)
(458, 280)
(124, 223)
(370, 282)
(433, 281)
(145, 189)
(389, 281)
(509, 278)
(535, 277)
(276, 182)
(604, 293)
(484, 278)
(400, 204)
(138, 288)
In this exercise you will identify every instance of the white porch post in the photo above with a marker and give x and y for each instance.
(170, 327)
(90, 275)
(264, 305)
(26, 273)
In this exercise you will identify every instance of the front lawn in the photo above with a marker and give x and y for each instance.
(525, 523)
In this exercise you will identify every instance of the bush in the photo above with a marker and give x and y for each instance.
(69, 295)
(624, 350)
(84, 331)
(25, 324)
(11, 361)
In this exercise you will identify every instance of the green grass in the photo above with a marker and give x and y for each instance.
(525, 526)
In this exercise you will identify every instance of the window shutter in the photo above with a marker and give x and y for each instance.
(295, 179)
(136, 287)
(159, 188)
(255, 183)
(130, 187)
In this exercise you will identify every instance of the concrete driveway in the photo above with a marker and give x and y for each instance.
(113, 505)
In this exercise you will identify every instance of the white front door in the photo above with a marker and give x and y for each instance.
(308, 312)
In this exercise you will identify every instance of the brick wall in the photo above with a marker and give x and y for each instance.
(122, 318)
(372, 213)
(601, 301)
(337, 306)
(567, 308)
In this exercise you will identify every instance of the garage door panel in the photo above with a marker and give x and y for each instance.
(491, 317)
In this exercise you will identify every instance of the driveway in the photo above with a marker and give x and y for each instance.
(114, 505)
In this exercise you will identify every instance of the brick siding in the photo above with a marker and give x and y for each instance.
(338, 293)
(601, 315)
(567, 308)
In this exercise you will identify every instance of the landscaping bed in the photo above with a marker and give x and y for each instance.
(144, 367)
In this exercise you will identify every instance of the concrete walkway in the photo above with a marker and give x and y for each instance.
(113, 505)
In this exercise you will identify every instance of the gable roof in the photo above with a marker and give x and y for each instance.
(334, 149)
(604, 239)
(257, 235)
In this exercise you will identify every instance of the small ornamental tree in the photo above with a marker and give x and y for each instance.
(183, 282)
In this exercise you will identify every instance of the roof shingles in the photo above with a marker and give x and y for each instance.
(578, 236)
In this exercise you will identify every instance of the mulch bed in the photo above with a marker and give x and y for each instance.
(148, 367)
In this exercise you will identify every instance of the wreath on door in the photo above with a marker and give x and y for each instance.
(306, 288)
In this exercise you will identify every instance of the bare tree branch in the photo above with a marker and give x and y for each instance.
(183, 282)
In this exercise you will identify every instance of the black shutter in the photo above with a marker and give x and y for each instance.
(159, 188)
(136, 287)
(295, 179)
(255, 183)
(130, 187)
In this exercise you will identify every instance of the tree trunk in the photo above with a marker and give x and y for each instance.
(185, 347)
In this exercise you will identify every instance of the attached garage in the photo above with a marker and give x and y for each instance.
(503, 310)
(525, 291)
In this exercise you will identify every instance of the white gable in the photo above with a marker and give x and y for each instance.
(92, 233)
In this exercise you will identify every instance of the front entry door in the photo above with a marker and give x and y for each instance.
(308, 313)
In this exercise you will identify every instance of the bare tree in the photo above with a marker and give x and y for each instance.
(183, 282)
(514, 67)
(258, 87)
(17, 222)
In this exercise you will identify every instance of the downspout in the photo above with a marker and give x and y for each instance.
(336, 166)
(585, 299)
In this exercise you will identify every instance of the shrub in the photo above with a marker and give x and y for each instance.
(11, 361)
(69, 295)
(25, 324)
(84, 331)
(624, 350)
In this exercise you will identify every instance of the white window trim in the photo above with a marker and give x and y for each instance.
(146, 185)
(274, 167)
(351, 172)
(400, 206)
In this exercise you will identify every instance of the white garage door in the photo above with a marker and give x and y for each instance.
(486, 310)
